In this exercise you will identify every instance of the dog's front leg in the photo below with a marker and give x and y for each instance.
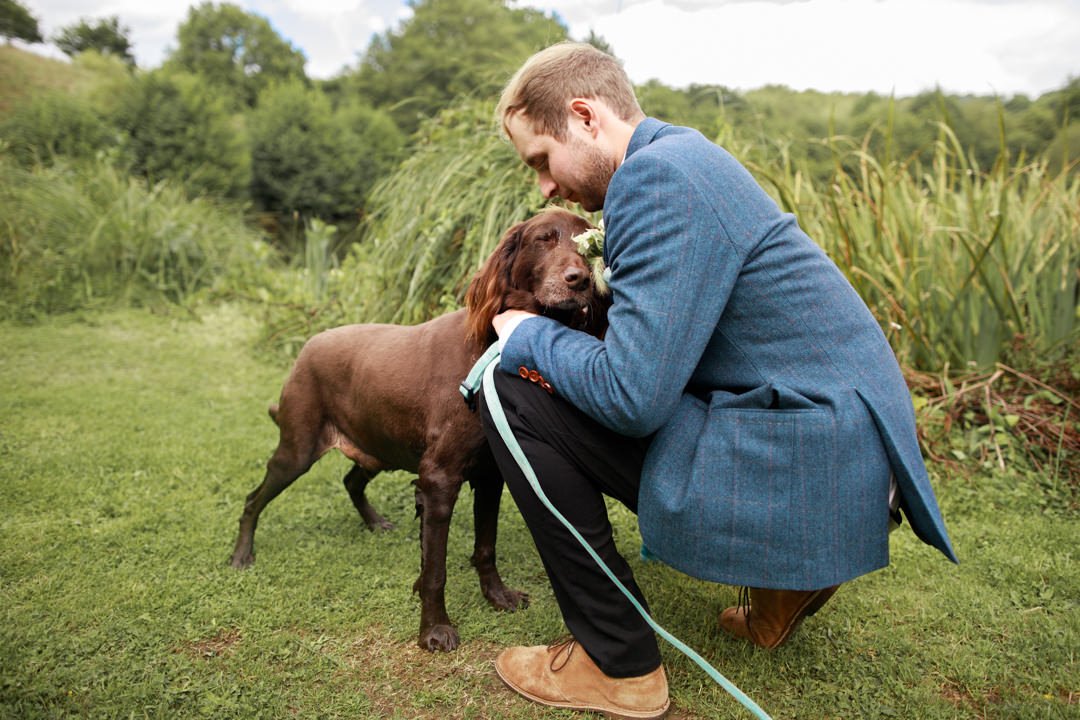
(487, 493)
(435, 498)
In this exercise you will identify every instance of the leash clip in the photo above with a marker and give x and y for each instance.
(470, 386)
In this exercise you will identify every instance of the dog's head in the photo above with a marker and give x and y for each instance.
(536, 267)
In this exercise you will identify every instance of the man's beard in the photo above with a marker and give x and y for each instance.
(595, 174)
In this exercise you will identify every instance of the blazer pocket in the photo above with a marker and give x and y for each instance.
(736, 477)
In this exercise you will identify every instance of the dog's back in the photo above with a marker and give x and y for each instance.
(387, 392)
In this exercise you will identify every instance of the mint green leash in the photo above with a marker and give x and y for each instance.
(485, 366)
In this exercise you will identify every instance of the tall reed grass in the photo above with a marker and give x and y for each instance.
(440, 214)
(431, 224)
(84, 234)
(959, 264)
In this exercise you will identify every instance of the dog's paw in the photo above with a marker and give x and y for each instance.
(380, 525)
(503, 598)
(443, 638)
(241, 561)
(375, 522)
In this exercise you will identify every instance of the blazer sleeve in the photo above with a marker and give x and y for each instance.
(673, 267)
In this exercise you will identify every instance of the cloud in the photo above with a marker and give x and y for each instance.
(901, 46)
(978, 46)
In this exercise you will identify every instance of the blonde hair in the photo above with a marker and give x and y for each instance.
(542, 88)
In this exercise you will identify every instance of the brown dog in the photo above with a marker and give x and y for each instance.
(387, 397)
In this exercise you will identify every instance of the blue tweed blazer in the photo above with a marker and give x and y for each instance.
(776, 407)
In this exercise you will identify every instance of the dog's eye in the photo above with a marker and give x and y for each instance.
(548, 236)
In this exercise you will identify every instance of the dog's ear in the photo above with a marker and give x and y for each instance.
(489, 287)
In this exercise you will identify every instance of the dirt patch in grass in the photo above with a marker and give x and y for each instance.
(960, 697)
(395, 674)
(220, 644)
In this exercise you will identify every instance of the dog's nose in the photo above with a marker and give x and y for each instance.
(577, 278)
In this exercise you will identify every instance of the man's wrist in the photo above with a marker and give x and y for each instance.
(510, 325)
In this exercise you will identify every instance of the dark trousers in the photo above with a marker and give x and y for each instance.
(577, 462)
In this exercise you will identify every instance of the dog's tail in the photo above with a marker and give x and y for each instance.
(273, 409)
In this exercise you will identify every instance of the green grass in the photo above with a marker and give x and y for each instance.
(128, 442)
(24, 74)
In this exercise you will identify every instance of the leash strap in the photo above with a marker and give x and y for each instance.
(485, 366)
(471, 384)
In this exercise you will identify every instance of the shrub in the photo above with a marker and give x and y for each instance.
(55, 124)
(79, 235)
(176, 128)
(311, 159)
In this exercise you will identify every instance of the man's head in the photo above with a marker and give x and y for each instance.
(570, 111)
(544, 86)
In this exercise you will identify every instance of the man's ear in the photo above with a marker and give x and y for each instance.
(582, 111)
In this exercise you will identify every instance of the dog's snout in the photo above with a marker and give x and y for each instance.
(577, 278)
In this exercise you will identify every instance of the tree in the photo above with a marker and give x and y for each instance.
(106, 36)
(16, 23)
(175, 126)
(238, 52)
(598, 42)
(311, 159)
(449, 49)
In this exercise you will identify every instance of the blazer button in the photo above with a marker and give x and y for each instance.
(523, 372)
(547, 386)
(534, 376)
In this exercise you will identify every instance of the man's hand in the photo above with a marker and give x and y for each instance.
(505, 322)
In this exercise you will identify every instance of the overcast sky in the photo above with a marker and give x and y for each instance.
(889, 46)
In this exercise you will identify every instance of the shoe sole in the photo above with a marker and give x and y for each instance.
(606, 712)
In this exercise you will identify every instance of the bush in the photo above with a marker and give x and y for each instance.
(79, 235)
(310, 159)
(430, 225)
(176, 128)
(55, 124)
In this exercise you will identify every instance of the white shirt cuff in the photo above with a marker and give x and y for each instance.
(509, 328)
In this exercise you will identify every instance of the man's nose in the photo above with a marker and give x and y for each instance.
(548, 187)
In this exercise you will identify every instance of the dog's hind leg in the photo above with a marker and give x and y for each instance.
(487, 493)
(281, 471)
(356, 481)
(436, 494)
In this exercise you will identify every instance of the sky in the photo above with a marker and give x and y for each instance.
(900, 47)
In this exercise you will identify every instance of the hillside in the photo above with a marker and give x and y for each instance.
(23, 73)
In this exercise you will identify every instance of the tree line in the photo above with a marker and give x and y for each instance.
(231, 113)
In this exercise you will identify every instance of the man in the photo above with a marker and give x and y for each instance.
(744, 401)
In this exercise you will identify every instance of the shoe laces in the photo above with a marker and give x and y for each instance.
(744, 603)
(561, 650)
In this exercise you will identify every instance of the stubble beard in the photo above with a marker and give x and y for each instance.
(595, 176)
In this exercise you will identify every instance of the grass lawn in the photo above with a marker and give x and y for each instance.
(128, 442)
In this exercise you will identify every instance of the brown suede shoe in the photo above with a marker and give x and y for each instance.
(563, 675)
(769, 617)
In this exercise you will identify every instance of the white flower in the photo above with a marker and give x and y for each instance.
(591, 246)
(590, 243)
